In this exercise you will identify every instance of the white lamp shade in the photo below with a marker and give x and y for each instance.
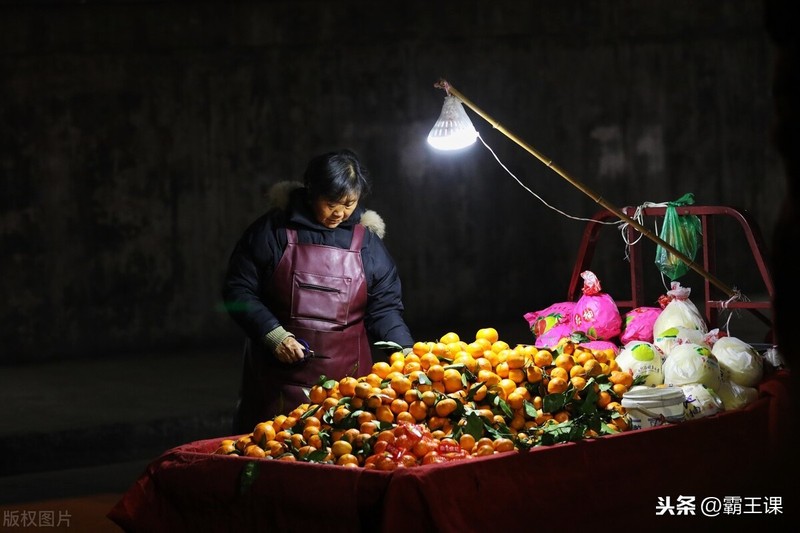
(453, 130)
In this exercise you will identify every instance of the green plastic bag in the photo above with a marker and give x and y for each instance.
(682, 232)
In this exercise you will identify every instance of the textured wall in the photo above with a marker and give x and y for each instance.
(137, 139)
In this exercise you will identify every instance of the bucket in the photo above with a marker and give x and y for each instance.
(654, 406)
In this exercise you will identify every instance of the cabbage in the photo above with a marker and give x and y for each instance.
(739, 361)
(641, 358)
(691, 363)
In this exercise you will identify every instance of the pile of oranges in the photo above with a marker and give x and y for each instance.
(449, 400)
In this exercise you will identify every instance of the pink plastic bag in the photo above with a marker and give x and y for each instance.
(596, 313)
(638, 324)
(553, 336)
(544, 320)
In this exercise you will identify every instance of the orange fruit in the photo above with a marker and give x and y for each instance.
(452, 380)
(384, 413)
(435, 372)
(445, 407)
(508, 385)
(263, 432)
(503, 444)
(427, 360)
(603, 399)
(561, 416)
(398, 405)
(579, 382)
(429, 398)
(317, 394)
(382, 368)
(565, 361)
(467, 360)
(619, 389)
(557, 385)
(517, 375)
(347, 459)
(516, 359)
(254, 450)
(467, 442)
(592, 368)
(449, 337)
(419, 410)
(226, 447)
(421, 348)
(489, 334)
(373, 379)
(515, 400)
(534, 374)
(581, 356)
(347, 386)
(341, 447)
(558, 372)
(499, 346)
(543, 358)
(501, 369)
(620, 377)
(401, 384)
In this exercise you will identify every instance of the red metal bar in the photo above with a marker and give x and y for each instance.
(712, 299)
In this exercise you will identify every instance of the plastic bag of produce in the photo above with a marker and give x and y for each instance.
(740, 362)
(679, 311)
(553, 336)
(546, 319)
(691, 363)
(641, 358)
(735, 396)
(638, 324)
(596, 313)
(682, 232)
(701, 401)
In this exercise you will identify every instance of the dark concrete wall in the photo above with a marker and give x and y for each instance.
(137, 140)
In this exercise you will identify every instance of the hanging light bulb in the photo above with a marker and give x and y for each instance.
(453, 130)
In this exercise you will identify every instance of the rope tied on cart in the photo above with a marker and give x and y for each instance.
(638, 217)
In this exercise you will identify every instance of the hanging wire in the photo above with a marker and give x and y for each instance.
(539, 197)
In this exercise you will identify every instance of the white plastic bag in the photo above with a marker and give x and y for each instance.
(641, 358)
(735, 396)
(740, 362)
(692, 363)
(701, 401)
(680, 311)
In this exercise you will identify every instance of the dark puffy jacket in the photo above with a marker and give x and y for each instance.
(261, 246)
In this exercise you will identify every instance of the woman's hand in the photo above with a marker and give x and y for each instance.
(289, 351)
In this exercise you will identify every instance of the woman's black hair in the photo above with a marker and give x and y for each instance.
(336, 175)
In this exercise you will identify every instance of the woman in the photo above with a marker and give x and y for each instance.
(310, 282)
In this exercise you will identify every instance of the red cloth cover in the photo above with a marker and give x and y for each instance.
(619, 478)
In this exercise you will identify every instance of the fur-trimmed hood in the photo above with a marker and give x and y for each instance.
(278, 198)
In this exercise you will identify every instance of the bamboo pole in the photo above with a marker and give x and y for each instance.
(443, 84)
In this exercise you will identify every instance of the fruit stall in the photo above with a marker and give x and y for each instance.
(645, 417)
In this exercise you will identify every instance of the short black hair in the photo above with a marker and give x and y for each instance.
(336, 175)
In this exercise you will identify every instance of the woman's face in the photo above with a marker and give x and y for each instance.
(331, 213)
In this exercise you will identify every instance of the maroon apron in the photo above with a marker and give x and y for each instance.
(319, 293)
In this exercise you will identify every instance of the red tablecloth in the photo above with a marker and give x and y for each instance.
(615, 480)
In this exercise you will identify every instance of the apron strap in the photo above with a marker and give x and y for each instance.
(358, 238)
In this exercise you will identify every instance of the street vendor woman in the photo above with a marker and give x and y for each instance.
(311, 283)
